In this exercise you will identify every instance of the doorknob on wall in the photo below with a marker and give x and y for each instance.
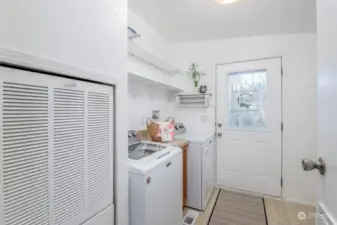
(309, 165)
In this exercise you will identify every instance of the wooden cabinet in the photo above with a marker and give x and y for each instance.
(185, 153)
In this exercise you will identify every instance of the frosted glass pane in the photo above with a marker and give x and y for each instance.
(247, 99)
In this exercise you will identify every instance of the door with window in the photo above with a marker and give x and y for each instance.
(249, 126)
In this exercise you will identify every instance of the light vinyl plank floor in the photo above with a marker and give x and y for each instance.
(278, 212)
(204, 216)
(285, 213)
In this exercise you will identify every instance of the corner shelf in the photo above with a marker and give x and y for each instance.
(193, 100)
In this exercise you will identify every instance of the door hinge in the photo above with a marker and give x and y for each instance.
(281, 71)
(282, 126)
(281, 181)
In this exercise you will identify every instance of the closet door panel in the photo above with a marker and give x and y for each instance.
(99, 183)
(56, 149)
(82, 150)
(100, 146)
(24, 151)
(68, 154)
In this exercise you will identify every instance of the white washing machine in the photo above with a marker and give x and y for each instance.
(155, 184)
(201, 169)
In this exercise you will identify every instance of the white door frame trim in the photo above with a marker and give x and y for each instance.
(216, 109)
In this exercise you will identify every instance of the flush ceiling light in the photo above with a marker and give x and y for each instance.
(225, 2)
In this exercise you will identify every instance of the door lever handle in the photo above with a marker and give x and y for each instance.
(309, 165)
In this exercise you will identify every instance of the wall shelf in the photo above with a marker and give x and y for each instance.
(193, 100)
(133, 78)
(136, 50)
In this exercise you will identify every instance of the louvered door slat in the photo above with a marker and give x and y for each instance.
(69, 193)
(99, 147)
(25, 153)
(56, 158)
(20, 192)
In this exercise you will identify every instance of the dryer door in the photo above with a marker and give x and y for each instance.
(209, 172)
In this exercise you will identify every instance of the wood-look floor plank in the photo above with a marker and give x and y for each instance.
(278, 212)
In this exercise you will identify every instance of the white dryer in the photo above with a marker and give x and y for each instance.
(201, 166)
(155, 184)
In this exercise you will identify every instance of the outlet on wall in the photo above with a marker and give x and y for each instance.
(205, 118)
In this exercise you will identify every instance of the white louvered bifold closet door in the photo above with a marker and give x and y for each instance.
(56, 155)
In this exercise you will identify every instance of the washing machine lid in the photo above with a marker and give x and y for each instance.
(141, 150)
(196, 137)
(145, 164)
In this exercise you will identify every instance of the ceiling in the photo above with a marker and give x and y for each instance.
(197, 20)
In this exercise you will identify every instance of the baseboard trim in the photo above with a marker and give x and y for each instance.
(268, 196)
(246, 192)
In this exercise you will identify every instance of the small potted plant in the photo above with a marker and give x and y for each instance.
(195, 74)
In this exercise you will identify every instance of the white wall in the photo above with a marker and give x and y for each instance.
(89, 35)
(152, 42)
(299, 96)
(143, 99)
(149, 39)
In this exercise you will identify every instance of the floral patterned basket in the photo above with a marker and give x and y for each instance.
(161, 131)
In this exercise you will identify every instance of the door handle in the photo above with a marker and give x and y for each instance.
(219, 134)
(309, 165)
(219, 125)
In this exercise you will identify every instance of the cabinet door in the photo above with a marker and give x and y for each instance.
(56, 149)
